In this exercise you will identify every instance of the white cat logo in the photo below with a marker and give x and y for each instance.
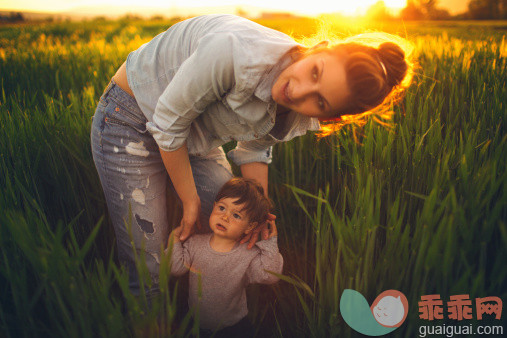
(390, 308)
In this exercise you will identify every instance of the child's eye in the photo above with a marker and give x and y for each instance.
(236, 216)
(221, 208)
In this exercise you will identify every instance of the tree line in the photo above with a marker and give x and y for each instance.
(12, 17)
(429, 10)
(415, 10)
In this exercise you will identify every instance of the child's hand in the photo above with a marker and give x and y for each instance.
(175, 234)
(272, 228)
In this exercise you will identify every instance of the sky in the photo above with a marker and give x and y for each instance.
(308, 7)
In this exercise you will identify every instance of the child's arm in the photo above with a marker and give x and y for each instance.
(269, 258)
(180, 256)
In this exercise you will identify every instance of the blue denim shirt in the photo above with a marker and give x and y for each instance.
(207, 81)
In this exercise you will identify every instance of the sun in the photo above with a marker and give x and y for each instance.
(348, 7)
(307, 7)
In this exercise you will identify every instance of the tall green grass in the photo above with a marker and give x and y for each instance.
(420, 208)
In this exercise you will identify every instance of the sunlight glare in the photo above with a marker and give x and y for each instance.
(347, 7)
(308, 7)
(354, 7)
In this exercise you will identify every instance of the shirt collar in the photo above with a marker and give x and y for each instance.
(263, 90)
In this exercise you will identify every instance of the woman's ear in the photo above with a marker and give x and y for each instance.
(251, 226)
(321, 44)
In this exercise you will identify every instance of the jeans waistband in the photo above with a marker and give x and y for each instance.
(123, 98)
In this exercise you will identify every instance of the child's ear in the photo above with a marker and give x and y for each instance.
(251, 226)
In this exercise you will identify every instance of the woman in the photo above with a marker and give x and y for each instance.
(204, 82)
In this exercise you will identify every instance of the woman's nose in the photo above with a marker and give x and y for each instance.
(303, 90)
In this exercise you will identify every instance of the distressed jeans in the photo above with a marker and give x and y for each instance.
(134, 178)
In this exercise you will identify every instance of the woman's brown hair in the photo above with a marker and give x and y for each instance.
(378, 69)
(371, 73)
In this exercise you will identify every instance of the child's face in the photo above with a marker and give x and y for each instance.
(228, 220)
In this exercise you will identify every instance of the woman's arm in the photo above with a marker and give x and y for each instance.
(204, 77)
(180, 255)
(257, 171)
(177, 164)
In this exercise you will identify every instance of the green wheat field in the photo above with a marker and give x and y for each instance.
(420, 208)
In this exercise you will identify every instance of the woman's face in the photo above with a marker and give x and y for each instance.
(314, 86)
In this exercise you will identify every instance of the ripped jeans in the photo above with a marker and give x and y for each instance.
(133, 175)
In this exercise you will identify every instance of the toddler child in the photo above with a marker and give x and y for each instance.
(224, 265)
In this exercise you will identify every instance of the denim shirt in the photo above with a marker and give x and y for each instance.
(207, 81)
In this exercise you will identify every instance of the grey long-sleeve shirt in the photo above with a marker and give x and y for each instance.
(224, 276)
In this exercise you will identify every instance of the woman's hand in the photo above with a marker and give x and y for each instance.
(191, 212)
(178, 167)
(272, 229)
(175, 235)
(264, 229)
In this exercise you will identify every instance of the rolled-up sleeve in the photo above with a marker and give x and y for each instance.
(251, 151)
(204, 77)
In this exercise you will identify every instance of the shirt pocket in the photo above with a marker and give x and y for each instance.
(224, 114)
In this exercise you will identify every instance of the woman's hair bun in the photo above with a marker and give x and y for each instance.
(393, 58)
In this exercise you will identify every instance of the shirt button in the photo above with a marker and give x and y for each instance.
(117, 109)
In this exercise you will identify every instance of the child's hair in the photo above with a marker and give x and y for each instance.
(251, 194)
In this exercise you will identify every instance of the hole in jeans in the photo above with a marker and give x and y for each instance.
(145, 225)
